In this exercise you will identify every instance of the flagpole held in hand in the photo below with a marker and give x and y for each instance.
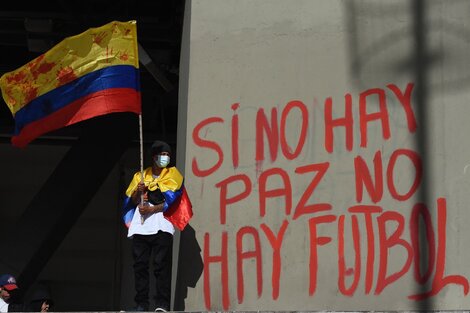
(142, 218)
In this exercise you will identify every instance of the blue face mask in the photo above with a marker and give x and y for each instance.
(162, 160)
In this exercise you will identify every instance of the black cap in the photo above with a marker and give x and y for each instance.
(159, 147)
(42, 293)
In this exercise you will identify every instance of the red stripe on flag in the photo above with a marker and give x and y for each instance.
(95, 104)
(180, 211)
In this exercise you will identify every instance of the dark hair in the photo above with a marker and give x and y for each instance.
(36, 305)
(40, 295)
(159, 147)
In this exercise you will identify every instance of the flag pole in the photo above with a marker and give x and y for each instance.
(142, 219)
(141, 148)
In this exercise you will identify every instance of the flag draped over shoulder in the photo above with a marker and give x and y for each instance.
(87, 75)
(177, 207)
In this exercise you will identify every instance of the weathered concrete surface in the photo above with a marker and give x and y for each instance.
(327, 155)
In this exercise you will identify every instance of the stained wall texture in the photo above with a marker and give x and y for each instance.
(326, 153)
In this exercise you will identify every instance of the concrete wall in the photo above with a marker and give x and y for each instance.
(327, 153)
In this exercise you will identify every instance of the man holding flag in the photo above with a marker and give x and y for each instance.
(156, 192)
(89, 75)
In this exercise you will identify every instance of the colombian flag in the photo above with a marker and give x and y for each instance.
(177, 207)
(87, 75)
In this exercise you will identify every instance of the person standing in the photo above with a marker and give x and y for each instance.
(8, 287)
(41, 300)
(148, 196)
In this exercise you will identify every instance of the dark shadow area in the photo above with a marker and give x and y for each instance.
(420, 68)
(39, 293)
(59, 203)
(190, 266)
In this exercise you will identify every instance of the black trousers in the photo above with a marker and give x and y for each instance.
(160, 246)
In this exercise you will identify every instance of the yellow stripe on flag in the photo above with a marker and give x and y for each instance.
(112, 44)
